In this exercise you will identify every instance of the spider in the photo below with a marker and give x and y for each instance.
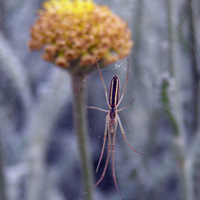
(112, 120)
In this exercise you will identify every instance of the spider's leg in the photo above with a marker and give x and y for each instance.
(104, 142)
(126, 105)
(124, 136)
(125, 83)
(96, 108)
(105, 167)
(113, 164)
(104, 86)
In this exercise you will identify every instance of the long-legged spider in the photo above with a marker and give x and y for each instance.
(112, 120)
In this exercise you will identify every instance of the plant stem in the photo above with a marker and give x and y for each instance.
(137, 19)
(176, 110)
(2, 176)
(185, 167)
(194, 64)
(171, 38)
(82, 135)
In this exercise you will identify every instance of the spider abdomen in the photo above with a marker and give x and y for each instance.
(114, 92)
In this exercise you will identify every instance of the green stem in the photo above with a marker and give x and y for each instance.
(185, 169)
(138, 20)
(171, 38)
(82, 134)
(176, 114)
(2, 14)
(2, 176)
(167, 107)
(194, 64)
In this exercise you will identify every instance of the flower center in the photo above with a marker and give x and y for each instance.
(70, 6)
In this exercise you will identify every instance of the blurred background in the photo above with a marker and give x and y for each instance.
(39, 157)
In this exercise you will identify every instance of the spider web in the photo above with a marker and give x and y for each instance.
(25, 81)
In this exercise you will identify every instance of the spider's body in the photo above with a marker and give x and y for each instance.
(112, 120)
(113, 97)
(114, 92)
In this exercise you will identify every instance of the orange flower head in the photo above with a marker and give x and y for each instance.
(75, 33)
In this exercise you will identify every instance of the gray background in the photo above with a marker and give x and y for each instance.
(39, 157)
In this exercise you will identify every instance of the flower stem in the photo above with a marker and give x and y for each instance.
(2, 176)
(194, 63)
(82, 135)
(177, 113)
(171, 38)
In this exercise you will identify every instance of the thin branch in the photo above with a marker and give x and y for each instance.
(177, 112)
(15, 69)
(171, 38)
(2, 175)
(52, 97)
(194, 64)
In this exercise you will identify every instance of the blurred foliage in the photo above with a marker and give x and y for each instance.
(36, 103)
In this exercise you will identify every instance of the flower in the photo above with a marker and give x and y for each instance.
(75, 33)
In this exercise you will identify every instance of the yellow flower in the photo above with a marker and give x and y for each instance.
(75, 33)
